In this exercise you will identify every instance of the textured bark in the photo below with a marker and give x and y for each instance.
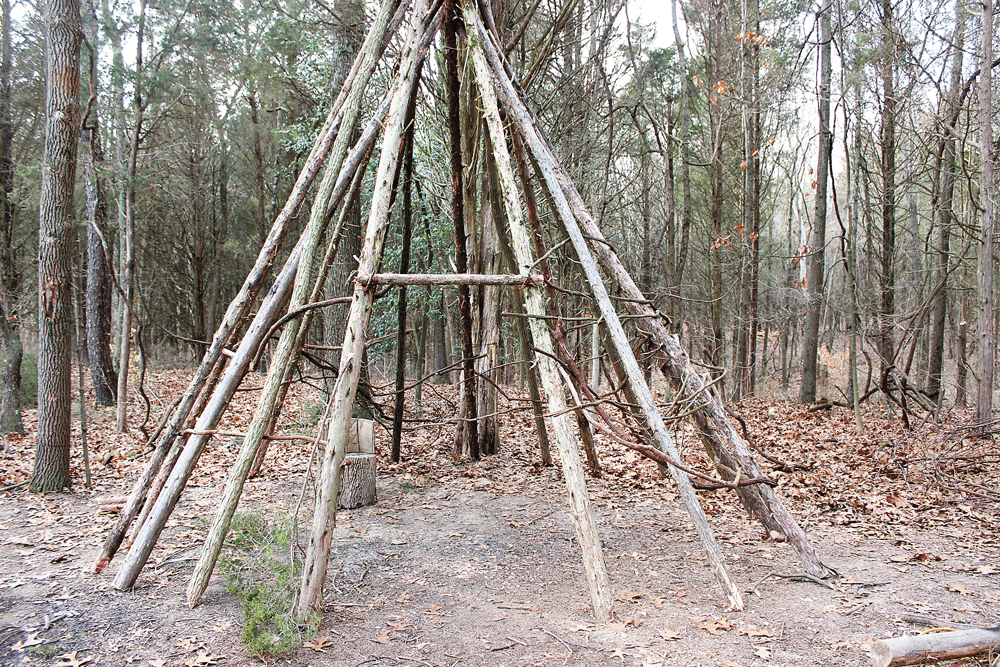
(466, 438)
(934, 647)
(987, 196)
(404, 268)
(488, 329)
(127, 273)
(98, 293)
(943, 199)
(817, 250)
(358, 481)
(887, 279)
(345, 389)
(10, 341)
(55, 236)
(10, 377)
(346, 35)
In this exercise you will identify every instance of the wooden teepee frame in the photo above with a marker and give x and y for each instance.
(296, 288)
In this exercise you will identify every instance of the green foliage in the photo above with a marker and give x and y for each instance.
(258, 571)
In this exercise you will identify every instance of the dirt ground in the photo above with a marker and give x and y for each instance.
(477, 564)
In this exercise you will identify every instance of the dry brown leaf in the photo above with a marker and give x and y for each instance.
(714, 626)
(31, 640)
(203, 659)
(753, 631)
(70, 660)
(320, 644)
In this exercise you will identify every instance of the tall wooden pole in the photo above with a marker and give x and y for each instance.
(240, 305)
(344, 390)
(719, 433)
(562, 427)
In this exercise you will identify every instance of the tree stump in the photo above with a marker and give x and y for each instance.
(357, 487)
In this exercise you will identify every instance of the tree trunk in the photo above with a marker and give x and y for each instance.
(99, 243)
(887, 280)
(64, 31)
(128, 241)
(817, 254)
(467, 438)
(944, 179)
(98, 293)
(404, 267)
(344, 390)
(489, 326)
(10, 341)
(987, 196)
(961, 356)
(684, 132)
(10, 377)
(716, 167)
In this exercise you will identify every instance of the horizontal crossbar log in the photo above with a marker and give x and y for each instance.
(402, 279)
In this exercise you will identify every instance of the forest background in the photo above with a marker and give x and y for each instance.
(805, 192)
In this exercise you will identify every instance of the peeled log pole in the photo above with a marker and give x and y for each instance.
(345, 388)
(576, 484)
(148, 533)
(240, 306)
(664, 442)
(934, 646)
(409, 279)
(717, 431)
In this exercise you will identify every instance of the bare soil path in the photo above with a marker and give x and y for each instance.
(476, 564)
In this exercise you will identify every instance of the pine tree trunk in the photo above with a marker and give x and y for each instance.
(817, 253)
(466, 438)
(98, 291)
(56, 223)
(945, 173)
(887, 281)
(10, 377)
(10, 341)
(987, 195)
(404, 267)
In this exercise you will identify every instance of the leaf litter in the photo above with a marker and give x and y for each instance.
(908, 519)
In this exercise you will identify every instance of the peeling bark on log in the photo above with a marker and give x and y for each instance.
(934, 646)
(576, 485)
(343, 394)
(717, 431)
(664, 442)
